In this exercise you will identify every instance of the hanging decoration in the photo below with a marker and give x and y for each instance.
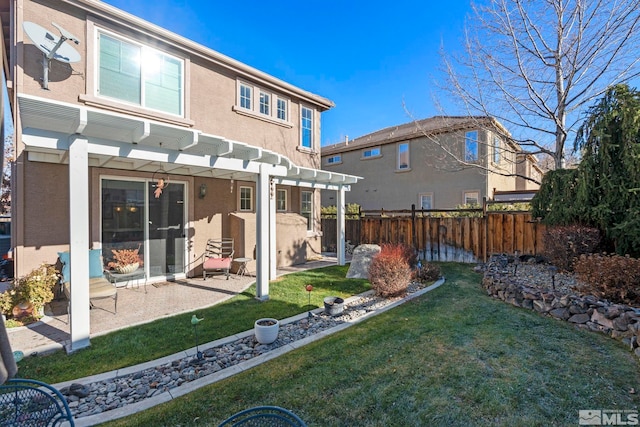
(161, 181)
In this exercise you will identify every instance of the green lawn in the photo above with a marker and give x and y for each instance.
(167, 336)
(453, 357)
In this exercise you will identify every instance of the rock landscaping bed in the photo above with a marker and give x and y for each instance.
(536, 286)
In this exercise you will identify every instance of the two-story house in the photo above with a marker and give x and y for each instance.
(130, 136)
(436, 163)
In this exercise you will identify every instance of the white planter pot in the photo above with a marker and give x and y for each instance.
(266, 330)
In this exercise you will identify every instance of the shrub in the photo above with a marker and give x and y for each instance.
(614, 277)
(390, 272)
(563, 244)
(36, 287)
(428, 272)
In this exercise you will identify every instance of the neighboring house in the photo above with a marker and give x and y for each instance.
(142, 107)
(432, 163)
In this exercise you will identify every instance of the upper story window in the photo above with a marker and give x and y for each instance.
(403, 155)
(265, 104)
(246, 198)
(471, 146)
(306, 128)
(281, 200)
(245, 97)
(497, 143)
(258, 102)
(332, 160)
(371, 152)
(140, 75)
(282, 106)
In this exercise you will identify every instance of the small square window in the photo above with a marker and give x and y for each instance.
(371, 152)
(472, 198)
(426, 201)
(334, 159)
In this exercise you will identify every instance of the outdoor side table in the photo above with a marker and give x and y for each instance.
(114, 278)
(242, 269)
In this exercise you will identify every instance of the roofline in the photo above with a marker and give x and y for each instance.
(354, 144)
(112, 13)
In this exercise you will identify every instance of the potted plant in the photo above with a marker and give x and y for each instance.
(29, 294)
(125, 260)
(266, 330)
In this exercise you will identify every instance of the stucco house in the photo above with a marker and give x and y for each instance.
(145, 139)
(436, 163)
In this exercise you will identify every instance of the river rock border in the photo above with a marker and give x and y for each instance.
(619, 321)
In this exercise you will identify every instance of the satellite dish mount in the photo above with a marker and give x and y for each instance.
(52, 46)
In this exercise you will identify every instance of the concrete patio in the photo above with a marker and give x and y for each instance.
(135, 307)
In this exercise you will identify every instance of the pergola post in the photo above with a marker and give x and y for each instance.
(79, 317)
(272, 230)
(262, 233)
(340, 223)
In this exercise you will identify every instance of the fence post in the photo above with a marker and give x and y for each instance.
(485, 218)
(414, 236)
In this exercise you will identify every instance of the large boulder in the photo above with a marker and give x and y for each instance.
(360, 261)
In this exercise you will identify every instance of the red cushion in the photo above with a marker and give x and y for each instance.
(217, 263)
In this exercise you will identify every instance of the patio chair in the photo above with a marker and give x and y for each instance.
(267, 416)
(99, 285)
(26, 402)
(218, 256)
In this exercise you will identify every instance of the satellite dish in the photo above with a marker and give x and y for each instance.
(52, 46)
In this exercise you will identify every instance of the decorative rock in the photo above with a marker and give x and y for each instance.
(580, 318)
(360, 261)
(560, 313)
(599, 318)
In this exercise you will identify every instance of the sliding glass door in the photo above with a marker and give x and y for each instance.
(134, 218)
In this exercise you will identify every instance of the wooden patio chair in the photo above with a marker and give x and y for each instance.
(218, 256)
(264, 416)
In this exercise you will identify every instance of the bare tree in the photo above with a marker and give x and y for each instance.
(536, 66)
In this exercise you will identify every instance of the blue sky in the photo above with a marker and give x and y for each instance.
(367, 57)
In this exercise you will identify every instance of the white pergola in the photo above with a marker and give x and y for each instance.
(83, 137)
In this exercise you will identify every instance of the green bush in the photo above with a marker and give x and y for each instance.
(390, 272)
(612, 277)
(563, 244)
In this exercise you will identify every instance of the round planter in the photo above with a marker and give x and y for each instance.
(266, 330)
(333, 306)
(129, 268)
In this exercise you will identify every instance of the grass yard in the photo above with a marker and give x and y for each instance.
(167, 336)
(454, 357)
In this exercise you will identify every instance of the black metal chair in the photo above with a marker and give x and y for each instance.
(264, 416)
(25, 402)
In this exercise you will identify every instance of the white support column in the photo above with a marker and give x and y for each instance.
(262, 234)
(340, 215)
(79, 318)
(272, 230)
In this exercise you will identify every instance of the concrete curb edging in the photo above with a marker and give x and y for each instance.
(227, 372)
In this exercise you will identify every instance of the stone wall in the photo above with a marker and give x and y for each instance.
(619, 321)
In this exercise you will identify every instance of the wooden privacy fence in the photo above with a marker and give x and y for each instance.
(463, 239)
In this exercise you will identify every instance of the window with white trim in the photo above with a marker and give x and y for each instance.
(281, 199)
(332, 160)
(306, 208)
(139, 75)
(246, 198)
(471, 198)
(426, 200)
(265, 104)
(306, 128)
(403, 156)
(259, 102)
(282, 105)
(497, 142)
(471, 146)
(371, 152)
